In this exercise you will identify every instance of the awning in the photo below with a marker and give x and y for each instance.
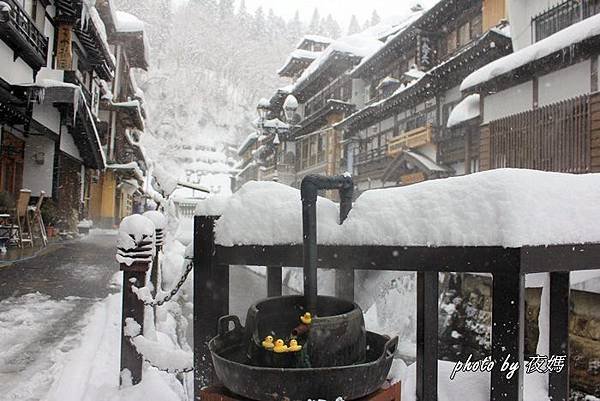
(411, 162)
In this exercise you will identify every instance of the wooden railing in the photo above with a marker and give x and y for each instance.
(20, 25)
(371, 155)
(556, 137)
(411, 139)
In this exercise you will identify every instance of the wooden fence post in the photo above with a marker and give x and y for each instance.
(134, 263)
(211, 299)
(558, 386)
(508, 324)
(274, 276)
(427, 336)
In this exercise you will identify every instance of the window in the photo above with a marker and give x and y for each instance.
(476, 26)
(464, 34)
(561, 16)
(451, 42)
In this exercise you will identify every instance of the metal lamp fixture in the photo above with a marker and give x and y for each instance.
(263, 108)
(289, 107)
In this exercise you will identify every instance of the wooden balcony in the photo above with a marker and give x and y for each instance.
(21, 34)
(411, 139)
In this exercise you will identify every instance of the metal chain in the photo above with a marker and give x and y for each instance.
(175, 290)
(167, 370)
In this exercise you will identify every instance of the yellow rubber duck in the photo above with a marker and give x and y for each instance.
(294, 347)
(280, 347)
(268, 343)
(306, 318)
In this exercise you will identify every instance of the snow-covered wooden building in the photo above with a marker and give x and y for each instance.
(59, 130)
(540, 106)
(410, 86)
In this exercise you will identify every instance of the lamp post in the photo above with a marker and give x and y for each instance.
(289, 110)
(4, 12)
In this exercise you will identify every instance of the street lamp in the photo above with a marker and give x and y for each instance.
(289, 108)
(263, 108)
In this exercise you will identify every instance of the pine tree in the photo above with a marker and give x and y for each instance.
(295, 28)
(375, 18)
(315, 23)
(354, 26)
(225, 9)
(332, 28)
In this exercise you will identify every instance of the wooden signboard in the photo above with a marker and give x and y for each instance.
(64, 48)
(412, 178)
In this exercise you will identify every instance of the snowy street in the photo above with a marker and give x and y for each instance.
(43, 303)
(60, 324)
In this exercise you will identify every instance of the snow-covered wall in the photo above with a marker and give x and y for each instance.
(38, 177)
(509, 101)
(67, 144)
(47, 115)
(566, 83)
(14, 72)
(520, 13)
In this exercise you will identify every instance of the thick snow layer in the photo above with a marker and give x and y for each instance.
(506, 207)
(477, 383)
(359, 45)
(299, 54)
(126, 22)
(316, 39)
(466, 110)
(133, 230)
(562, 39)
(424, 160)
(213, 206)
(268, 213)
(158, 219)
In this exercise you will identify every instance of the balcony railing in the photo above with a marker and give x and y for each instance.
(371, 155)
(411, 139)
(339, 89)
(21, 34)
(561, 16)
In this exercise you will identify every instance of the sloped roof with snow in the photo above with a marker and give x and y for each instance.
(563, 39)
(466, 110)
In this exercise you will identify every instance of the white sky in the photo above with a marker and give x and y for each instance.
(342, 10)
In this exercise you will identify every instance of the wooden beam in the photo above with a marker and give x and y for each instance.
(427, 336)
(346, 257)
(211, 299)
(557, 258)
(558, 388)
(274, 281)
(508, 323)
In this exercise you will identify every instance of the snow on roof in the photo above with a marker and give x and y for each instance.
(314, 38)
(569, 36)
(126, 22)
(466, 110)
(510, 208)
(250, 139)
(359, 45)
(398, 29)
(414, 73)
(270, 213)
(425, 161)
(132, 166)
(299, 54)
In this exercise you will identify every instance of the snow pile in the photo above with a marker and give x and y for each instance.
(155, 352)
(466, 110)
(565, 38)
(213, 206)
(166, 181)
(134, 232)
(269, 213)
(477, 383)
(126, 22)
(506, 207)
(158, 219)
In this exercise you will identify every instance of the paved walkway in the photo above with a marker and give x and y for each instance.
(43, 305)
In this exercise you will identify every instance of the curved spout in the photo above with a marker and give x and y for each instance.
(309, 189)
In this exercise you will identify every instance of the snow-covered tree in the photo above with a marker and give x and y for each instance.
(315, 26)
(354, 26)
(331, 28)
(375, 18)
